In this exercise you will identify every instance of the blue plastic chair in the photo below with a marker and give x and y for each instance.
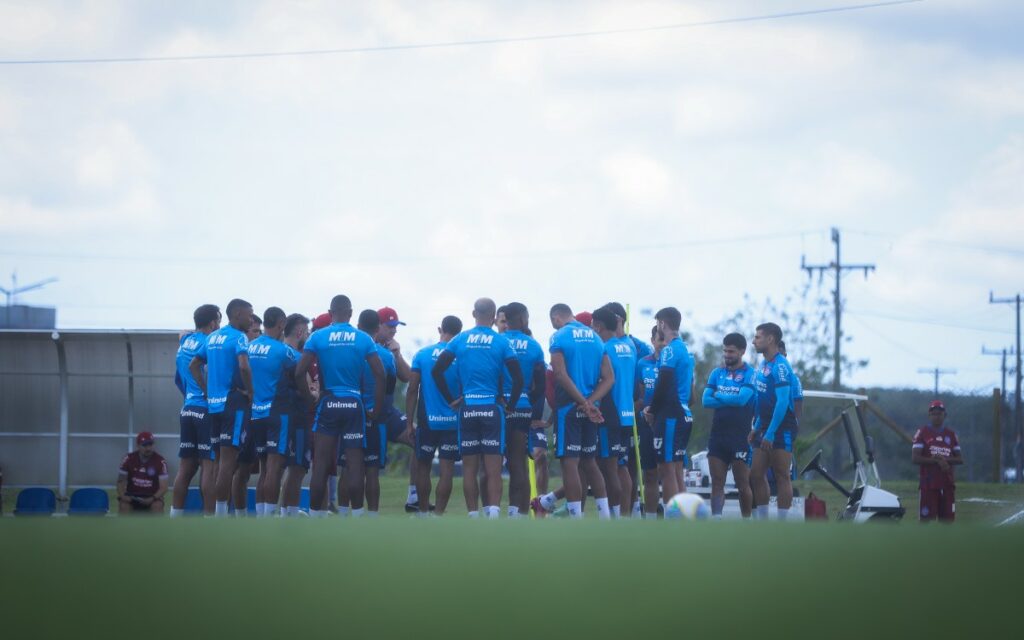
(36, 501)
(194, 501)
(89, 502)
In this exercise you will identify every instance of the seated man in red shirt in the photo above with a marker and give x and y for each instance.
(936, 450)
(142, 478)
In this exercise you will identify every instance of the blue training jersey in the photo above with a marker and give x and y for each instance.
(583, 351)
(370, 385)
(729, 383)
(267, 359)
(439, 416)
(642, 348)
(220, 352)
(190, 345)
(622, 353)
(480, 355)
(647, 373)
(341, 351)
(529, 353)
(288, 397)
(798, 388)
(676, 356)
(773, 376)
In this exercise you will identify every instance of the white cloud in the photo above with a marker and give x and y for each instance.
(637, 179)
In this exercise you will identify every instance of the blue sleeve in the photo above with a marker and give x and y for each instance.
(739, 400)
(781, 406)
(178, 382)
(453, 344)
(310, 346)
(507, 352)
(554, 347)
(709, 401)
(417, 362)
(241, 345)
(201, 352)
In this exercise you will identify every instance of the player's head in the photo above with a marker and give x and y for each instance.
(255, 327)
(273, 321)
(669, 319)
(605, 323)
(501, 319)
(560, 315)
(936, 413)
(734, 345)
(145, 442)
(207, 318)
(296, 328)
(767, 337)
(620, 313)
(657, 340)
(782, 348)
(388, 324)
(585, 318)
(369, 321)
(239, 314)
(517, 317)
(341, 308)
(484, 311)
(450, 327)
(321, 321)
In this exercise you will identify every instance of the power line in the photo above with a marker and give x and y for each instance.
(458, 43)
(1016, 300)
(934, 323)
(937, 372)
(940, 243)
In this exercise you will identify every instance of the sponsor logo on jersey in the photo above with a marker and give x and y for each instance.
(341, 336)
(479, 338)
(339, 404)
(478, 413)
(259, 349)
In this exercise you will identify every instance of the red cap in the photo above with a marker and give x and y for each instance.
(937, 404)
(321, 321)
(585, 317)
(144, 437)
(389, 317)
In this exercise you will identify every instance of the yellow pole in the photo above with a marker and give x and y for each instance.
(636, 436)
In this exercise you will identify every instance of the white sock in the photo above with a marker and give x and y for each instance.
(473, 514)
(221, 509)
(358, 513)
(176, 513)
(261, 509)
(548, 501)
(762, 512)
(513, 511)
(575, 509)
(412, 497)
(783, 513)
(492, 512)
(344, 511)
(270, 510)
(617, 511)
(332, 488)
(603, 512)
(636, 509)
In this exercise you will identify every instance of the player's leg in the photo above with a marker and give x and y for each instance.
(539, 451)
(759, 481)
(518, 482)
(664, 447)
(607, 460)
(782, 462)
(157, 506)
(492, 469)
(719, 470)
(188, 454)
(298, 466)
(187, 468)
(929, 505)
(741, 475)
(423, 454)
(470, 482)
(625, 505)
(445, 480)
(947, 504)
(325, 452)
(232, 438)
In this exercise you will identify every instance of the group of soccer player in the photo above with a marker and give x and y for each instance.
(268, 395)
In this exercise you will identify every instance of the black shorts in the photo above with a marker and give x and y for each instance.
(195, 434)
(375, 450)
(230, 426)
(254, 447)
(519, 420)
(394, 424)
(537, 439)
(481, 430)
(648, 459)
(445, 443)
(671, 435)
(729, 445)
(343, 418)
(784, 438)
(612, 441)
(288, 435)
(575, 434)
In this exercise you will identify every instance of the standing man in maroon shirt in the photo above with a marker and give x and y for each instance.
(936, 450)
(142, 478)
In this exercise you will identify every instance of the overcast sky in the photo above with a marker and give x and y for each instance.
(680, 167)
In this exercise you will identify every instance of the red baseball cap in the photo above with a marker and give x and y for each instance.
(321, 321)
(585, 317)
(937, 404)
(144, 437)
(389, 317)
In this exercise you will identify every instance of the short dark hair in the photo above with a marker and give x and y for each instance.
(782, 347)
(205, 314)
(655, 333)
(515, 314)
(502, 309)
(617, 309)
(340, 303)
(273, 316)
(451, 325)
(256, 320)
(735, 340)
(369, 321)
(771, 329)
(606, 317)
(560, 309)
(293, 322)
(235, 305)
(671, 316)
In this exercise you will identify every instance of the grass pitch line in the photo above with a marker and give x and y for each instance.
(1017, 517)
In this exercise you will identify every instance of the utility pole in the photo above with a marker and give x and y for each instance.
(937, 372)
(838, 268)
(1018, 423)
(985, 351)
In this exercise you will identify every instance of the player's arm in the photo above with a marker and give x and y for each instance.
(412, 394)
(379, 384)
(664, 388)
(708, 399)
(161, 488)
(563, 380)
(778, 414)
(444, 361)
(536, 394)
(122, 482)
(195, 367)
(607, 381)
(302, 378)
(245, 373)
(512, 364)
(178, 382)
(404, 371)
(734, 400)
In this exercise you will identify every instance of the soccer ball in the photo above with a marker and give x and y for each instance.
(687, 506)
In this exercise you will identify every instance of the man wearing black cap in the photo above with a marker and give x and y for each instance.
(142, 478)
(936, 450)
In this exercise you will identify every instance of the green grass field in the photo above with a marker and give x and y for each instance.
(453, 577)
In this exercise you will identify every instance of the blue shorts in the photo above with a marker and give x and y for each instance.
(342, 418)
(481, 430)
(729, 447)
(394, 424)
(575, 434)
(195, 434)
(429, 441)
(519, 420)
(254, 444)
(648, 459)
(537, 439)
(230, 425)
(375, 448)
(612, 441)
(288, 436)
(671, 435)
(784, 439)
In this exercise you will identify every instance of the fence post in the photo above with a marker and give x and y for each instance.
(997, 442)
(62, 469)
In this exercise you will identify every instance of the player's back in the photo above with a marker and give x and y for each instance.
(222, 349)
(267, 359)
(770, 376)
(622, 354)
(480, 355)
(432, 407)
(369, 385)
(647, 374)
(583, 351)
(676, 356)
(341, 350)
(191, 344)
(529, 353)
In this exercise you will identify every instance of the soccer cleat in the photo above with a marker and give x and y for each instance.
(412, 507)
(538, 509)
